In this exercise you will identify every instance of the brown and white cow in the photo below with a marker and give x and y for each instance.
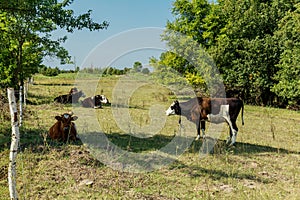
(64, 129)
(214, 110)
(95, 101)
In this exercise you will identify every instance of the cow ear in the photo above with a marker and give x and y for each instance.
(58, 118)
(74, 118)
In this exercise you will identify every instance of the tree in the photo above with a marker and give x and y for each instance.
(288, 75)
(137, 66)
(240, 37)
(145, 71)
(189, 22)
(190, 18)
(26, 28)
(187, 55)
(246, 51)
(15, 137)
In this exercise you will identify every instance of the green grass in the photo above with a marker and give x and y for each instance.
(263, 165)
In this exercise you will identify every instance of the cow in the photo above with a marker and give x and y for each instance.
(73, 90)
(64, 128)
(95, 101)
(214, 110)
(72, 97)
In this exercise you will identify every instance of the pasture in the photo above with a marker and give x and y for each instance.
(265, 164)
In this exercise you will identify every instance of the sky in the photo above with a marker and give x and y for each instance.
(124, 16)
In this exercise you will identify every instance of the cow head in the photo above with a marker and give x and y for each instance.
(174, 109)
(75, 96)
(80, 94)
(99, 100)
(103, 99)
(66, 124)
(73, 90)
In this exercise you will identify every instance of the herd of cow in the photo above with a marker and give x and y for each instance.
(64, 128)
(197, 110)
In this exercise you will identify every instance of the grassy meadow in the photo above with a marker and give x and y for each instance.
(264, 164)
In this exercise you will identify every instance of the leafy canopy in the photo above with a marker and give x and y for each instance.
(254, 45)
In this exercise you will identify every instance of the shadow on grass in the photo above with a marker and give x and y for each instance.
(130, 143)
(36, 137)
(215, 174)
(135, 144)
(239, 148)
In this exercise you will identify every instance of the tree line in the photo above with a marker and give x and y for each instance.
(254, 44)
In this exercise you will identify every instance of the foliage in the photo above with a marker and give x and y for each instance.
(242, 38)
(25, 31)
(137, 66)
(166, 75)
(48, 71)
(107, 71)
(288, 75)
(195, 80)
(246, 51)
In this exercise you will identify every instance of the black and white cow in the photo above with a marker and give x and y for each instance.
(95, 101)
(72, 97)
(214, 110)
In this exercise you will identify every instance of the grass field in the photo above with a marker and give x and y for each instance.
(265, 164)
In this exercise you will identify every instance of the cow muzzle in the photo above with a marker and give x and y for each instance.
(170, 112)
(66, 129)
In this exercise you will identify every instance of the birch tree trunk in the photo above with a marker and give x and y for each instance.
(14, 144)
(21, 106)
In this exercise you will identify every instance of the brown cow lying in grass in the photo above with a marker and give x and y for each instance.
(64, 129)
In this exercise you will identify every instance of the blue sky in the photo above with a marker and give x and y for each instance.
(122, 15)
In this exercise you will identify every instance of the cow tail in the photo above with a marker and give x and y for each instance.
(243, 113)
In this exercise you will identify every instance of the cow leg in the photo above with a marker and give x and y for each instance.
(198, 130)
(231, 131)
(230, 136)
(203, 128)
(200, 125)
(234, 132)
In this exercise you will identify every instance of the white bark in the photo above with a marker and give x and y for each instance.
(14, 144)
(21, 105)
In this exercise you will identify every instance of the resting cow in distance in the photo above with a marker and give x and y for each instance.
(214, 110)
(95, 101)
(72, 97)
(64, 128)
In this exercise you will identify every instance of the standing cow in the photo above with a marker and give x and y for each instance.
(64, 129)
(214, 110)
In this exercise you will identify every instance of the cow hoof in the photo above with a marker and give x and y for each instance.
(228, 140)
(232, 144)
